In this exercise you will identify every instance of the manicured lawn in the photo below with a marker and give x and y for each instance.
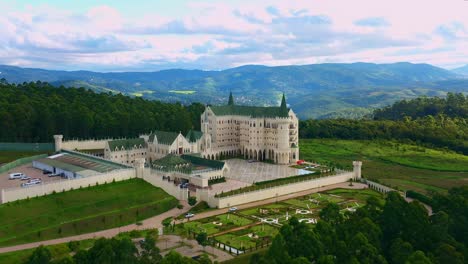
(360, 196)
(211, 225)
(402, 165)
(240, 239)
(81, 211)
(8, 156)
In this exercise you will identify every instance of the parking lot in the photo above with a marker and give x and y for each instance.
(244, 171)
(27, 169)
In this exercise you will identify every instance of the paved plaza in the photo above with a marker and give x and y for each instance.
(242, 170)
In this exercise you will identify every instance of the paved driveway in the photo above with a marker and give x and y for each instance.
(244, 171)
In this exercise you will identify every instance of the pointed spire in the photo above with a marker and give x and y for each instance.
(283, 106)
(231, 99)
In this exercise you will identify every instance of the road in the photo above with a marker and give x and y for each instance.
(156, 221)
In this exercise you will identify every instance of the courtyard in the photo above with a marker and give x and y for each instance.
(250, 172)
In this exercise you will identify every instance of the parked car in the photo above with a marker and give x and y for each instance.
(189, 215)
(25, 178)
(232, 209)
(54, 174)
(46, 172)
(31, 182)
(16, 175)
(184, 185)
(251, 161)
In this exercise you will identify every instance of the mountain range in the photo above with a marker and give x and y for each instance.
(314, 91)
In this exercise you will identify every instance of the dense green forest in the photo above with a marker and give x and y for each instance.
(396, 233)
(439, 122)
(33, 112)
(108, 251)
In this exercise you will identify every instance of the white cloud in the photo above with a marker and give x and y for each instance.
(215, 35)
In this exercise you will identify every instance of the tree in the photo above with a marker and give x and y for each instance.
(399, 251)
(331, 213)
(202, 239)
(149, 253)
(41, 255)
(192, 200)
(418, 257)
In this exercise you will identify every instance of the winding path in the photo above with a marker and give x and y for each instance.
(156, 221)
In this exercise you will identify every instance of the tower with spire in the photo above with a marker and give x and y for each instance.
(254, 132)
(231, 99)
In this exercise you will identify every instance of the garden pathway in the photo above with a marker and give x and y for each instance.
(156, 221)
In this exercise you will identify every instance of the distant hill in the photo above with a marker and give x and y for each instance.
(462, 70)
(318, 90)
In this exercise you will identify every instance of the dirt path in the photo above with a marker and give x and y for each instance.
(156, 221)
(344, 185)
(153, 222)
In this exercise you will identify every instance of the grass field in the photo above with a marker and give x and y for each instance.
(241, 239)
(8, 156)
(402, 165)
(81, 211)
(212, 225)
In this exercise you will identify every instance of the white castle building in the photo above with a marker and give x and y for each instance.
(250, 132)
(260, 133)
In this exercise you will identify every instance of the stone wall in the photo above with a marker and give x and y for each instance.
(84, 144)
(18, 193)
(272, 192)
(155, 178)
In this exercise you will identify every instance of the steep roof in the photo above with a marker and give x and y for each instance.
(127, 144)
(253, 111)
(164, 137)
(186, 163)
(193, 135)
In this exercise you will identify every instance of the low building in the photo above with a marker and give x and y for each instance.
(72, 165)
(191, 169)
(125, 151)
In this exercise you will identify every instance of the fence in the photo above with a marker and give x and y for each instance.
(377, 186)
(8, 166)
(18, 193)
(247, 197)
(155, 178)
(33, 147)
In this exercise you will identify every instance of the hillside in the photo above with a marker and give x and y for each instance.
(461, 70)
(317, 91)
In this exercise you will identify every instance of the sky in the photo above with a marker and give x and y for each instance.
(153, 35)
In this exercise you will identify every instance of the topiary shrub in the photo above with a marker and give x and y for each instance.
(192, 200)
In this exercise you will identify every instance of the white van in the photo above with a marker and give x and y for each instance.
(16, 175)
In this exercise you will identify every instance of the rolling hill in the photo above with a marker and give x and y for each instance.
(317, 90)
(461, 70)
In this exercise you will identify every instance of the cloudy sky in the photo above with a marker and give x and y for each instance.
(152, 35)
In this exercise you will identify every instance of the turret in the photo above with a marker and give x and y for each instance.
(231, 99)
(283, 107)
(58, 142)
(357, 169)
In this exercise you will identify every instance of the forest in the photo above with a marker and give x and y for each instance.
(396, 232)
(33, 112)
(434, 122)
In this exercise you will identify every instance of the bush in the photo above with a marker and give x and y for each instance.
(420, 197)
(215, 181)
(74, 245)
(167, 222)
(192, 200)
(180, 206)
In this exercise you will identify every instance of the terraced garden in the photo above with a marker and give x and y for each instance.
(249, 228)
